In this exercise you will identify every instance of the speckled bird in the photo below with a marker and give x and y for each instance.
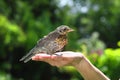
(50, 44)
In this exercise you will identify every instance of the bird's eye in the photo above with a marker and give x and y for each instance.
(64, 29)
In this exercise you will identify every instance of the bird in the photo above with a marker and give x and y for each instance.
(54, 42)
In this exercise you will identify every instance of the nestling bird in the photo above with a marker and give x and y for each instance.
(53, 42)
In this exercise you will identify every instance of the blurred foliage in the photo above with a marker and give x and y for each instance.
(109, 62)
(23, 22)
(11, 32)
(92, 44)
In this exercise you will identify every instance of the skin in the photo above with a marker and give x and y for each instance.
(75, 59)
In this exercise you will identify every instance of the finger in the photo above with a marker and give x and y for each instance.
(40, 57)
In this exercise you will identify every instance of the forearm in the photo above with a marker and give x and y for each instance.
(88, 71)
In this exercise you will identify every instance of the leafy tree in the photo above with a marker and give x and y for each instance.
(23, 22)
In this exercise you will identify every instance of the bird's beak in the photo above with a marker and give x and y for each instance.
(70, 30)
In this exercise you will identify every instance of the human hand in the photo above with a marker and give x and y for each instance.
(76, 59)
(60, 58)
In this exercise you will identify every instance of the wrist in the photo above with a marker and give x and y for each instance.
(77, 61)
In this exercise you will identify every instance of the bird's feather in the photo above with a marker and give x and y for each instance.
(39, 47)
(53, 42)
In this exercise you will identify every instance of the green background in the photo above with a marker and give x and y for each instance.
(24, 22)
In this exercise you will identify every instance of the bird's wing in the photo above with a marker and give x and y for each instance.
(47, 39)
(41, 44)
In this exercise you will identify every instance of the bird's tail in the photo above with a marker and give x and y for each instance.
(28, 56)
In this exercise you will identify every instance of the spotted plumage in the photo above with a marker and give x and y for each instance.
(53, 42)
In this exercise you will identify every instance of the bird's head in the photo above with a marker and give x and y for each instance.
(63, 29)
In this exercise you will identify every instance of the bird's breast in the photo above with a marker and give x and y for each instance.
(61, 40)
